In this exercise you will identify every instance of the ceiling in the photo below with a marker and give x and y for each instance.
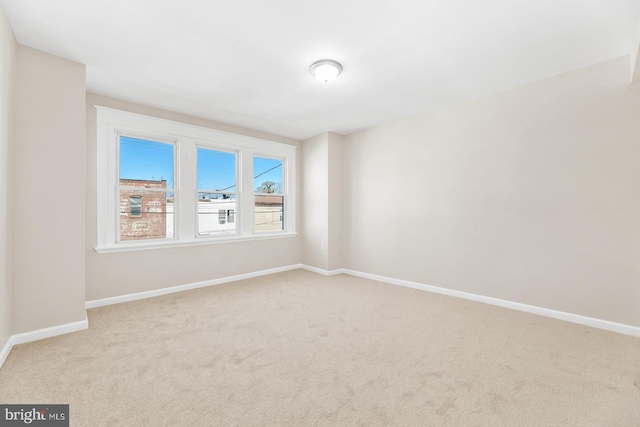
(247, 62)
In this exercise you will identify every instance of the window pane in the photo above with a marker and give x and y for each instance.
(269, 213)
(146, 160)
(216, 170)
(135, 205)
(216, 214)
(153, 218)
(267, 175)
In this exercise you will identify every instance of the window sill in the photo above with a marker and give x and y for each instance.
(202, 241)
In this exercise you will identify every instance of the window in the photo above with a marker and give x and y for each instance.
(163, 183)
(216, 191)
(145, 171)
(135, 206)
(269, 194)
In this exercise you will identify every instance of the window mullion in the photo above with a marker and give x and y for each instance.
(187, 199)
(246, 192)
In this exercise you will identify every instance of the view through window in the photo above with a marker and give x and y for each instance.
(216, 192)
(146, 189)
(268, 194)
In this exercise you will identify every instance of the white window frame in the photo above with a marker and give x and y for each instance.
(111, 123)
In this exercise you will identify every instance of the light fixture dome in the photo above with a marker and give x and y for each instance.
(326, 70)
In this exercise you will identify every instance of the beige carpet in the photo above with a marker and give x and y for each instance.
(299, 349)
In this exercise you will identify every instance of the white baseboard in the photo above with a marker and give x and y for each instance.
(321, 271)
(546, 312)
(6, 349)
(186, 287)
(39, 334)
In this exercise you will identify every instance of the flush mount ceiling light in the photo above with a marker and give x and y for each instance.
(326, 70)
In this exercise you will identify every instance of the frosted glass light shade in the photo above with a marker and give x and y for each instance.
(326, 70)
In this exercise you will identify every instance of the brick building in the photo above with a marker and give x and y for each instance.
(143, 213)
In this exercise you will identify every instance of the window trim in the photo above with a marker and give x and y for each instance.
(111, 123)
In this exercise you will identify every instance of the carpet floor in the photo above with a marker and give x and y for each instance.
(300, 349)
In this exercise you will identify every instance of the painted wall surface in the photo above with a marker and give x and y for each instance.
(48, 170)
(122, 273)
(7, 78)
(529, 195)
(322, 202)
(634, 59)
(335, 200)
(315, 205)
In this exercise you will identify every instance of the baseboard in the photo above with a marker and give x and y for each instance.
(180, 288)
(52, 331)
(6, 349)
(39, 334)
(321, 271)
(546, 312)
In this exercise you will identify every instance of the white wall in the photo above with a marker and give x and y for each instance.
(7, 79)
(322, 202)
(114, 274)
(335, 201)
(315, 204)
(48, 169)
(529, 195)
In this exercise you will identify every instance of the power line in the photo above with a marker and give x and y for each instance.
(268, 170)
(231, 186)
(260, 174)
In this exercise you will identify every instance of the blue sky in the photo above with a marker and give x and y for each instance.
(141, 159)
(266, 170)
(216, 170)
